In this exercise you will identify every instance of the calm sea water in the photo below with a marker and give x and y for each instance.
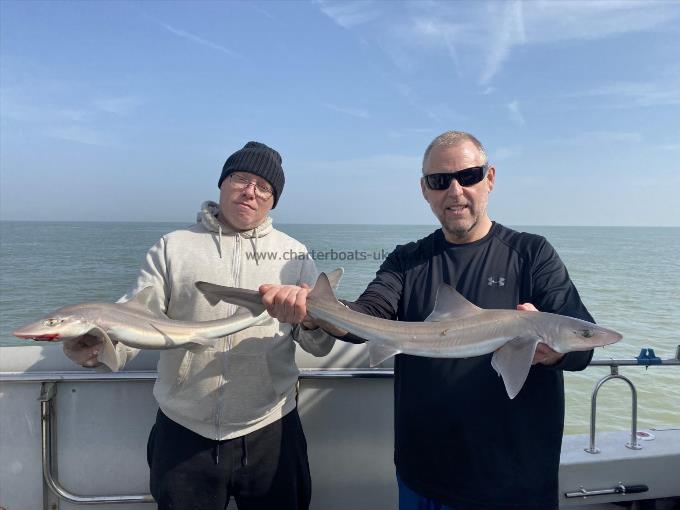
(629, 278)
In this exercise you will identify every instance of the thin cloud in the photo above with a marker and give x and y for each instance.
(568, 20)
(664, 92)
(440, 32)
(79, 134)
(20, 108)
(509, 33)
(348, 111)
(669, 147)
(45, 118)
(601, 137)
(480, 37)
(516, 114)
(400, 57)
(410, 132)
(199, 40)
(506, 153)
(349, 14)
(396, 163)
(444, 114)
(440, 113)
(120, 106)
(262, 11)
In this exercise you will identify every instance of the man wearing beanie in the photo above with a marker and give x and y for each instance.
(227, 423)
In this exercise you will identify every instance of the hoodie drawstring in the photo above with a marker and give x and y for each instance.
(244, 451)
(257, 237)
(219, 237)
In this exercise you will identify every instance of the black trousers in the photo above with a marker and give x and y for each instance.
(266, 469)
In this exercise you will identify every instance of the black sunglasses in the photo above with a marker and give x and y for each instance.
(467, 177)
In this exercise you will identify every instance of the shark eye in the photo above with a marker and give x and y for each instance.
(52, 322)
(587, 333)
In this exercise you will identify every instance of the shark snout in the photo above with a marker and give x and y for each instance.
(612, 337)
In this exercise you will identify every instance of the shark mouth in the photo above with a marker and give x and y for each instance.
(48, 337)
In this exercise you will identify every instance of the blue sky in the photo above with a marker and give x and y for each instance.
(127, 110)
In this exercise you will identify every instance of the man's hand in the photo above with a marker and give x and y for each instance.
(544, 354)
(84, 350)
(288, 303)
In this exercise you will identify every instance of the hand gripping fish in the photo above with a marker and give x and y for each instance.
(456, 328)
(137, 323)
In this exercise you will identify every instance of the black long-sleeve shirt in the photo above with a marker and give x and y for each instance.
(459, 439)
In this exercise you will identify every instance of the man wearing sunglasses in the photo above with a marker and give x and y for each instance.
(460, 442)
(227, 424)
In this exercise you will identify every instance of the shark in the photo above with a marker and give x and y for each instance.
(456, 328)
(137, 323)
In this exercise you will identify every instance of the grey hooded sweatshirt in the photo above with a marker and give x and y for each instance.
(248, 380)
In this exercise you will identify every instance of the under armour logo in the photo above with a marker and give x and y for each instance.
(500, 282)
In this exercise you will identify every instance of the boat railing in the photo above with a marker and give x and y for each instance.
(50, 380)
(646, 358)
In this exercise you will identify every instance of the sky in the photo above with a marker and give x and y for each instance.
(126, 111)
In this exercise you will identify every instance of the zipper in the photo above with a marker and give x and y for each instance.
(226, 345)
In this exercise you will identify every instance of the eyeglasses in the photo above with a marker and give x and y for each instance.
(466, 177)
(240, 183)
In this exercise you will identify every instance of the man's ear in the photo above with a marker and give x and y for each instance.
(491, 177)
(423, 189)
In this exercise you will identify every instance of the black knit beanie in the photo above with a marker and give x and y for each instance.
(258, 159)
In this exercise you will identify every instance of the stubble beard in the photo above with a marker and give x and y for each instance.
(460, 232)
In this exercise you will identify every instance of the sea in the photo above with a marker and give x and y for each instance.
(628, 277)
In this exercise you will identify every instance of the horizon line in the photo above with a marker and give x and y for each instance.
(340, 224)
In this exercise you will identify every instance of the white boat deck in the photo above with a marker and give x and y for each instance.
(101, 423)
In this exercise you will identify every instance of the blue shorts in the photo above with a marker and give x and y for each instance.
(410, 500)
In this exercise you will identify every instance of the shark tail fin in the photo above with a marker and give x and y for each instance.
(248, 299)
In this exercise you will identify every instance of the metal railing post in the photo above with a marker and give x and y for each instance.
(47, 393)
(633, 444)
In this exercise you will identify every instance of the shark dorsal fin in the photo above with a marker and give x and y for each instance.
(450, 304)
(334, 277)
(145, 299)
(322, 290)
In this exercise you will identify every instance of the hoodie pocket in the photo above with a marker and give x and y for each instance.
(249, 379)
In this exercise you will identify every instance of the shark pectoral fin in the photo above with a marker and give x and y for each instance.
(107, 354)
(513, 362)
(378, 353)
(201, 343)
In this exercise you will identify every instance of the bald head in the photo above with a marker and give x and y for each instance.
(453, 138)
